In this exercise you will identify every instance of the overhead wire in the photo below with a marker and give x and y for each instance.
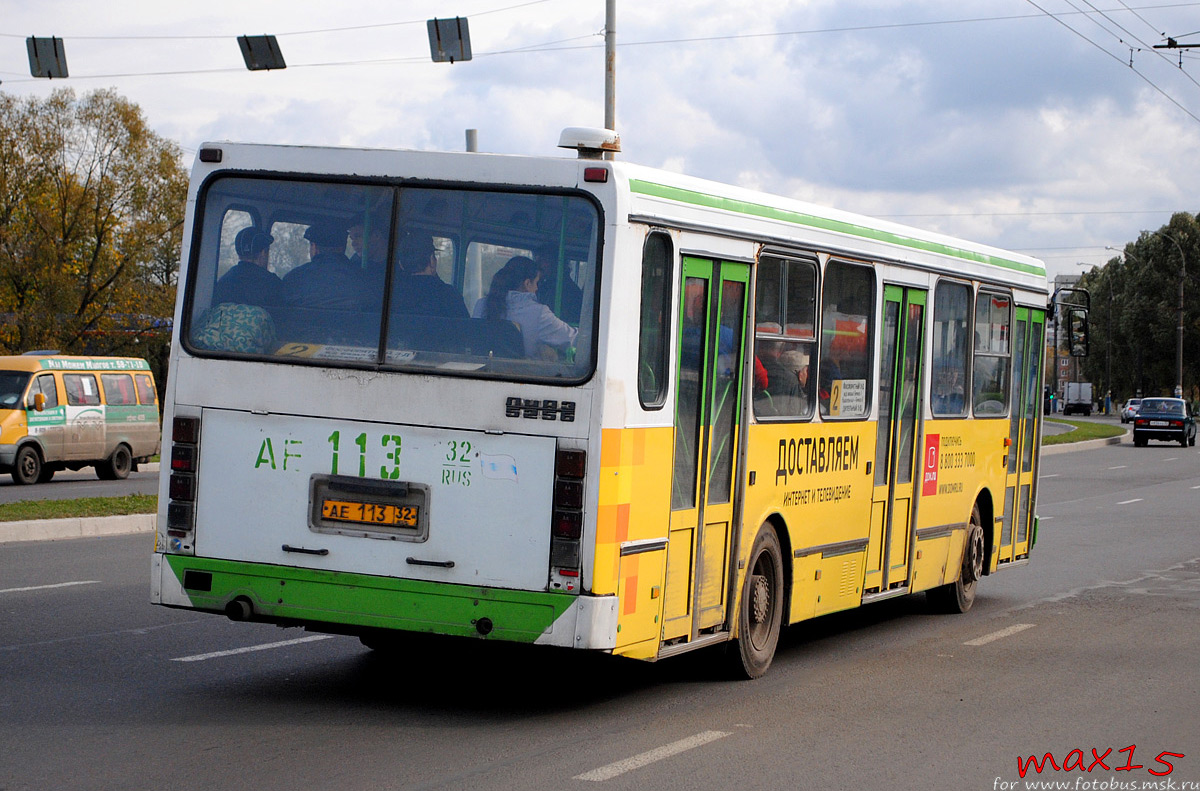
(1130, 66)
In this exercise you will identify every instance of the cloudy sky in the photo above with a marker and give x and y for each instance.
(1018, 123)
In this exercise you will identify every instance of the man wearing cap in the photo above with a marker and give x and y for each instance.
(250, 282)
(328, 280)
(419, 291)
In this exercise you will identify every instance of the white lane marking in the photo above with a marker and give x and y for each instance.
(1045, 518)
(1052, 475)
(1000, 635)
(1173, 458)
(248, 649)
(1196, 487)
(48, 587)
(650, 756)
(1119, 467)
(1127, 502)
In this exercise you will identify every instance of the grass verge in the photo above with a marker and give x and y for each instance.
(1084, 430)
(83, 507)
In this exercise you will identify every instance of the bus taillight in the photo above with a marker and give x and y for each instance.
(566, 523)
(181, 488)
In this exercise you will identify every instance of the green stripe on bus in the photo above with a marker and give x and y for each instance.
(824, 223)
(338, 597)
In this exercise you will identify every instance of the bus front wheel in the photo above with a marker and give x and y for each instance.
(760, 606)
(958, 596)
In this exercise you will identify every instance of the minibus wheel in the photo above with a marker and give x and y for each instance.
(27, 467)
(116, 467)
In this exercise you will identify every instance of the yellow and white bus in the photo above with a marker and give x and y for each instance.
(638, 413)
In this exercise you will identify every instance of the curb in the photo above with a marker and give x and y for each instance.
(79, 527)
(1067, 447)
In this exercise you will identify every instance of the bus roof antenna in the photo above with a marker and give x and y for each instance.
(590, 142)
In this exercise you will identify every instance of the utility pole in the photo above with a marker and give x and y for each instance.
(610, 67)
(1179, 329)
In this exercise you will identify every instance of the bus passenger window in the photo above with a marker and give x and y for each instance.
(951, 349)
(655, 324)
(847, 321)
(784, 338)
(989, 385)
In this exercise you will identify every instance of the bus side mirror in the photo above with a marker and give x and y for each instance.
(1077, 326)
(39, 401)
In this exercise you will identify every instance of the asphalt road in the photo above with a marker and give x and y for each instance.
(1092, 646)
(69, 485)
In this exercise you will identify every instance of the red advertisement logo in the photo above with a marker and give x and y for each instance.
(933, 444)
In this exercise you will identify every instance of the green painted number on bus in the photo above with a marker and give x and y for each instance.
(459, 451)
(393, 456)
(361, 441)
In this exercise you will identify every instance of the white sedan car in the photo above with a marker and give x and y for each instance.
(1130, 409)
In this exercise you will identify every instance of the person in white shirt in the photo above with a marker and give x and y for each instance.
(513, 296)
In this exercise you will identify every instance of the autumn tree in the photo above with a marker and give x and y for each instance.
(91, 217)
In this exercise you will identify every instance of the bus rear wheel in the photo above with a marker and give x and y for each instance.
(116, 467)
(27, 467)
(760, 607)
(958, 596)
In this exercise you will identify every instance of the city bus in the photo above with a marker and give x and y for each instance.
(654, 413)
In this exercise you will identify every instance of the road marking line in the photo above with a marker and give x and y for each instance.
(48, 587)
(1053, 475)
(248, 649)
(1173, 458)
(666, 751)
(1196, 487)
(988, 638)
(1119, 467)
(1127, 502)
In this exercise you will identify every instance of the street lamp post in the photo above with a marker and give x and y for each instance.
(1179, 339)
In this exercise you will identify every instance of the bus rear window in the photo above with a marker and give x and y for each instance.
(455, 281)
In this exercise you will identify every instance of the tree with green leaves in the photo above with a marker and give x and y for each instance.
(91, 218)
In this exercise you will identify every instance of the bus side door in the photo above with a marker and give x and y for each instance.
(897, 438)
(1024, 429)
(708, 417)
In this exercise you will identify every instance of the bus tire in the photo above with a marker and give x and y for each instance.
(760, 607)
(958, 596)
(27, 467)
(116, 467)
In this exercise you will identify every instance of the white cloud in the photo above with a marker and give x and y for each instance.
(1013, 131)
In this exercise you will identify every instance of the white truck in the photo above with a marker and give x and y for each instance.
(1078, 398)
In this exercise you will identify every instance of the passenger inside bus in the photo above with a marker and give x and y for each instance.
(560, 294)
(370, 253)
(328, 280)
(418, 290)
(250, 282)
(513, 296)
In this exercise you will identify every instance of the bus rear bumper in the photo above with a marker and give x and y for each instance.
(344, 602)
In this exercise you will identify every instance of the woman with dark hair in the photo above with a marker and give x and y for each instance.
(513, 297)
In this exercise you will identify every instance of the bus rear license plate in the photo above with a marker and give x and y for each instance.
(370, 513)
(1159, 423)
